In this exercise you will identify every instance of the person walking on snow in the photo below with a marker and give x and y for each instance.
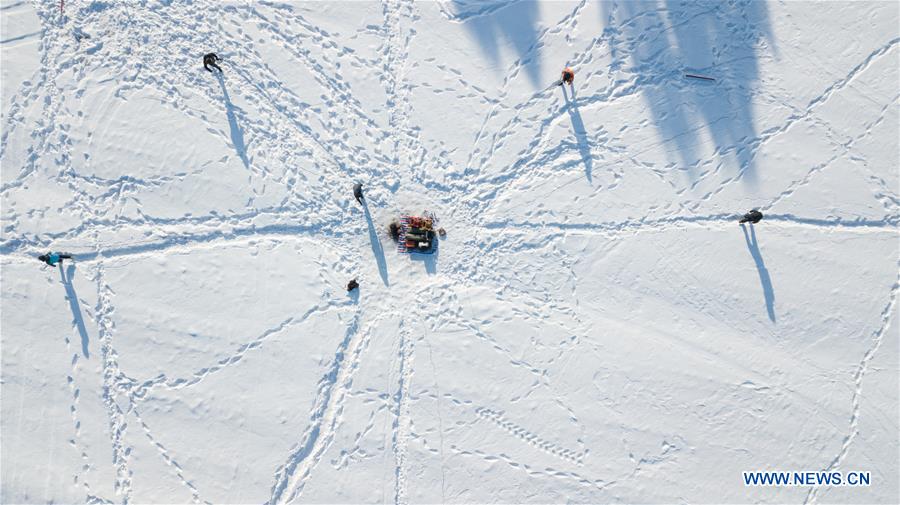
(352, 285)
(754, 216)
(357, 193)
(568, 77)
(52, 258)
(210, 60)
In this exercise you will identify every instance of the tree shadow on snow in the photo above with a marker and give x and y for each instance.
(664, 40)
(377, 250)
(584, 146)
(500, 22)
(66, 278)
(237, 136)
(764, 278)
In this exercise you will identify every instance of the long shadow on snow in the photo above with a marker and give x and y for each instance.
(66, 278)
(377, 250)
(237, 136)
(584, 145)
(764, 278)
(495, 24)
(887, 222)
(721, 39)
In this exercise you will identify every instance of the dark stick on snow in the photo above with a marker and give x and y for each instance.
(702, 77)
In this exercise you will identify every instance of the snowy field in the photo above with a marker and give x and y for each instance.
(595, 327)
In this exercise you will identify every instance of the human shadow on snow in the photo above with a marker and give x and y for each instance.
(584, 146)
(66, 278)
(377, 250)
(764, 278)
(237, 136)
(353, 296)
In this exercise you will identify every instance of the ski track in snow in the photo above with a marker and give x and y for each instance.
(318, 155)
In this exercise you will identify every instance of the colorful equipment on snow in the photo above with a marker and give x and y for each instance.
(415, 234)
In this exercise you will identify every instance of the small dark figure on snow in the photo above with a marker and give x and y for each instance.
(394, 230)
(357, 193)
(209, 60)
(352, 285)
(753, 217)
(52, 258)
(568, 77)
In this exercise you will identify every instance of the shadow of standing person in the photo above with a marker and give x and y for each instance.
(764, 278)
(237, 135)
(377, 250)
(66, 276)
(584, 146)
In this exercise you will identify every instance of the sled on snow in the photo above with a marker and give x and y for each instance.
(414, 234)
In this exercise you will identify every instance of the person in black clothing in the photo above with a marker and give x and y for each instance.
(394, 230)
(357, 192)
(754, 216)
(209, 60)
(352, 285)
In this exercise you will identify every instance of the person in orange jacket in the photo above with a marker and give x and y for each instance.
(568, 76)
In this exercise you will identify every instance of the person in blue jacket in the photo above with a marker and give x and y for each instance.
(52, 258)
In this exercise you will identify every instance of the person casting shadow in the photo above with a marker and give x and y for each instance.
(209, 60)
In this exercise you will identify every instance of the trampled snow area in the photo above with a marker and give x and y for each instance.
(595, 327)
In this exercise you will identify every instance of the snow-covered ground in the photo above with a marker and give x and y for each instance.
(595, 327)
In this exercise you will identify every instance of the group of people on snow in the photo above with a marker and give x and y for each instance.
(211, 60)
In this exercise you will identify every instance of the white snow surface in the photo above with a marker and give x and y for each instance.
(595, 327)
